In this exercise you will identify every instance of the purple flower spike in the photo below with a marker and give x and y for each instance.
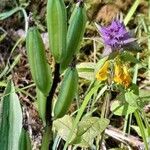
(115, 37)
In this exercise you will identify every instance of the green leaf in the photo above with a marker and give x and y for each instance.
(88, 129)
(11, 122)
(135, 89)
(86, 70)
(131, 11)
(64, 126)
(25, 143)
(131, 98)
(126, 56)
(8, 13)
(121, 109)
(144, 95)
(41, 102)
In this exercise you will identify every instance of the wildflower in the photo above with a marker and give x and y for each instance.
(115, 37)
(121, 74)
(102, 74)
(127, 78)
(118, 73)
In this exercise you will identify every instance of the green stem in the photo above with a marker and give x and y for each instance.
(125, 127)
(105, 111)
(125, 124)
(105, 108)
(130, 120)
(146, 123)
(26, 20)
(141, 126)
(134, 80)
(131, 11)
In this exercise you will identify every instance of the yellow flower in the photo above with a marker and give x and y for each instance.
(122, 75)
(118, 73)
(102, 74)
(127, 79)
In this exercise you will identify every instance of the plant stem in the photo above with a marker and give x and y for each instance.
(49, 121)
(125, 124)
(125, 127)
(105, 111)
(131, 11)
(147, 125)
(141, 126)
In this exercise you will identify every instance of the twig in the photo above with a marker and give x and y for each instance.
(126, 139)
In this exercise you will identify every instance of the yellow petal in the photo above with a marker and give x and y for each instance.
(118, 75)
(102, 74)
(127, 78)
(122, 75)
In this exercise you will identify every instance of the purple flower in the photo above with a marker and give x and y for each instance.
(115, 37)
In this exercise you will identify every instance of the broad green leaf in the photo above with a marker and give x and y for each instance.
(121, 109)
(88, 129)
(25, 143)
(86, 70)
(87, 75)
(86, 65)
(11, 122)
(64, 126)
(131, 98)
(41, 102)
